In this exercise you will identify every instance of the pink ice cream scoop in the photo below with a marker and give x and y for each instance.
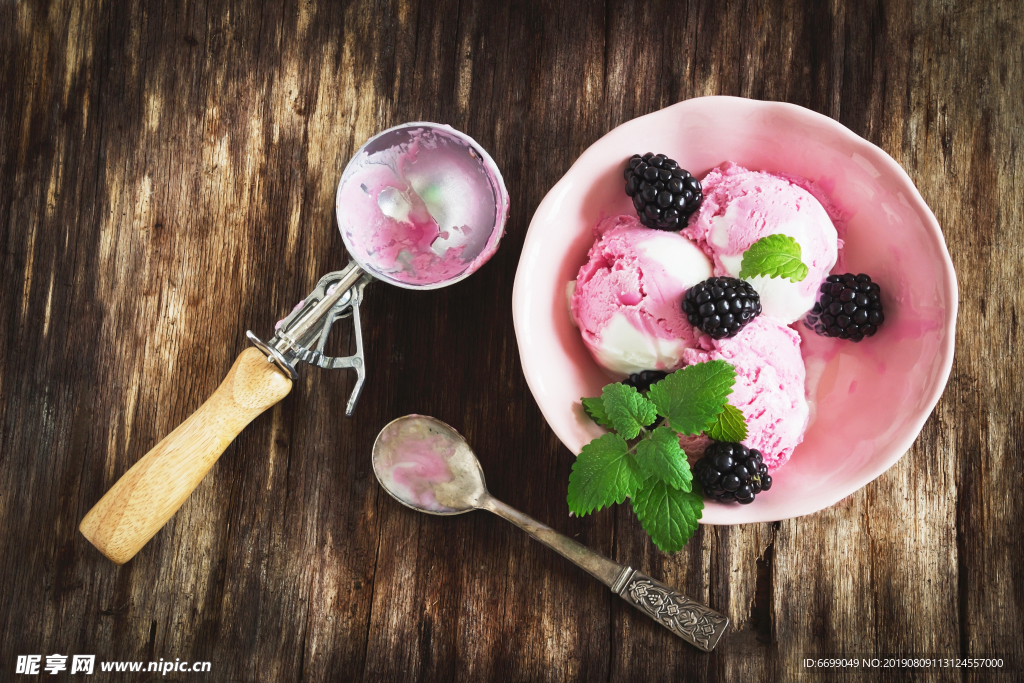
(627, 299)
(769, 387)
(740, 207)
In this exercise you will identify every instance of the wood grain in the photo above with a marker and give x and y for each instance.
(167, 174)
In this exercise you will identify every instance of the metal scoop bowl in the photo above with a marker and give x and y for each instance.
(426, 465)
(420, 206)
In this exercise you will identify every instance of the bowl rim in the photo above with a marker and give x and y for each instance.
(873, 153)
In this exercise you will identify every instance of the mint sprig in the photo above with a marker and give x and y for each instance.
(776, 255)
(645, 463)
(628, 411)
(668, 515)
(594, 408)
(730, 425)
(694, 396)
(662, 458)
(605, 472)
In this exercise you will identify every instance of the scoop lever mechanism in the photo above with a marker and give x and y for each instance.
(302, 335)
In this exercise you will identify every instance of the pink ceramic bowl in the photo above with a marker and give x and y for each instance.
(869, 400)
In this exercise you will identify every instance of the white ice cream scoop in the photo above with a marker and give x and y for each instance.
(420, 206)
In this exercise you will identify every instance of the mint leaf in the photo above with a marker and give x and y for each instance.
(627, 409)
(668, 515)
(661, 457)
(604, 473)
(730, 425)
(594, 408)
(694, 396)
(775, 256)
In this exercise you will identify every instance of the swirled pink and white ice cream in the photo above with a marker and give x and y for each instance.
(626, 300)
(741, 206)
(769, 388)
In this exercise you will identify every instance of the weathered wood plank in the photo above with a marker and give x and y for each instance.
(167, 175)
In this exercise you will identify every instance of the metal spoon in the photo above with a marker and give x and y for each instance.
(426, 465)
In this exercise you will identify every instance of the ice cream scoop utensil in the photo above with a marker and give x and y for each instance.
(408, 197)
(437, 172)
(426, 465)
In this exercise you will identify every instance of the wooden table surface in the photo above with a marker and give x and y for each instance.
(167, 176)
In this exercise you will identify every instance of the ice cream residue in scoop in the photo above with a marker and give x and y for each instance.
(423, 211)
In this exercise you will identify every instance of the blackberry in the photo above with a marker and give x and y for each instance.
(664, 195)
(642, 381)
(849, 307)
(732, 472)
(721, 306)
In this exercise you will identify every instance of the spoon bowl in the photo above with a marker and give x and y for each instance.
(426, 465)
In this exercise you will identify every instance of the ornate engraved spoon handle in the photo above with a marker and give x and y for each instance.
(688, 619)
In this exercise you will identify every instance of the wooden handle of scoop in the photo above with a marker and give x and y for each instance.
(149, 494)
